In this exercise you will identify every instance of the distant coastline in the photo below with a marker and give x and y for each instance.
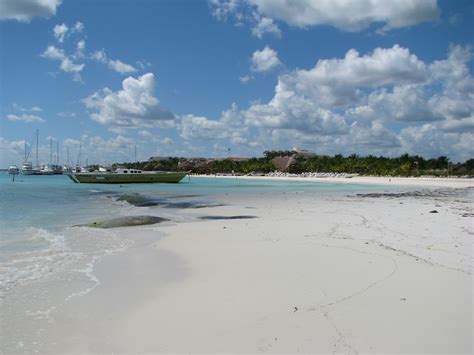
(304, 162)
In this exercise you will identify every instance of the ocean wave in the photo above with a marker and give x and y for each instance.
(27, 266)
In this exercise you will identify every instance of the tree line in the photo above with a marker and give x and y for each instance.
(404, 165)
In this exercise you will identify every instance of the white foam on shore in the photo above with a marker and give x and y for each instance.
(50, 254)
(87, 270)
(32, 265)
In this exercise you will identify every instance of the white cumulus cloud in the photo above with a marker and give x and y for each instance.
(428, 140)
(229, 127)
(222, 9)
(373, 104)
(346, 15)
(60, 32)
(99, 56)
(350, 15)
(116, 65)
(25, 10)
(78, 27)
(121, 67)
(241, 13)
(265, 25)
(66, 63)
(341, 82)
(308, 100)
(402, 103)
(289, 110)
(264, 60)
(80, 47)
(133, 106)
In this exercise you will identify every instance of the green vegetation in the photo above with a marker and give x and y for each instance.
(225, 166)
(171, 164)
(404, 165)
(254, 165)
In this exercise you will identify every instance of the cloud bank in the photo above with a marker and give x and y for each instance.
(347, 15)
(387, 101)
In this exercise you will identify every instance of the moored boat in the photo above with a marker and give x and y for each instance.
(27, 168)
(47, 170)
(127, 176)
(13, 169)
(105, 169)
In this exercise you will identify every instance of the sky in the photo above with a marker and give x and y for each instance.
(225, 78)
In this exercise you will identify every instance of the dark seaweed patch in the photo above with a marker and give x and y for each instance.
(127, 221)
(189, 204)
(141, 201)
(138, 200)
(217, 218)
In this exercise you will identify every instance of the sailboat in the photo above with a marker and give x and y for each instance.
(57, 168)
(47, 169)
(67, 168)
(27, 167)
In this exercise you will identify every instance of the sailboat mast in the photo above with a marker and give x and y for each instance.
(67, 150)
(51, 151)
(79, 155)
(57, 152)
(25, 149)
(37, 139)
(135, 153)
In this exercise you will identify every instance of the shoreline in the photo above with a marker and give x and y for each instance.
(378, 180)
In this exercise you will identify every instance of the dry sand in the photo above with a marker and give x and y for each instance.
(313, 274)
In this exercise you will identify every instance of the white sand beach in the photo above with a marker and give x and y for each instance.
(453, 182)
(311, 273)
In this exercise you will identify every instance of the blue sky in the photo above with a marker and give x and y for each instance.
(197, 78)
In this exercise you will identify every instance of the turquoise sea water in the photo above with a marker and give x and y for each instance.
(37, 213)
(55, 201)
